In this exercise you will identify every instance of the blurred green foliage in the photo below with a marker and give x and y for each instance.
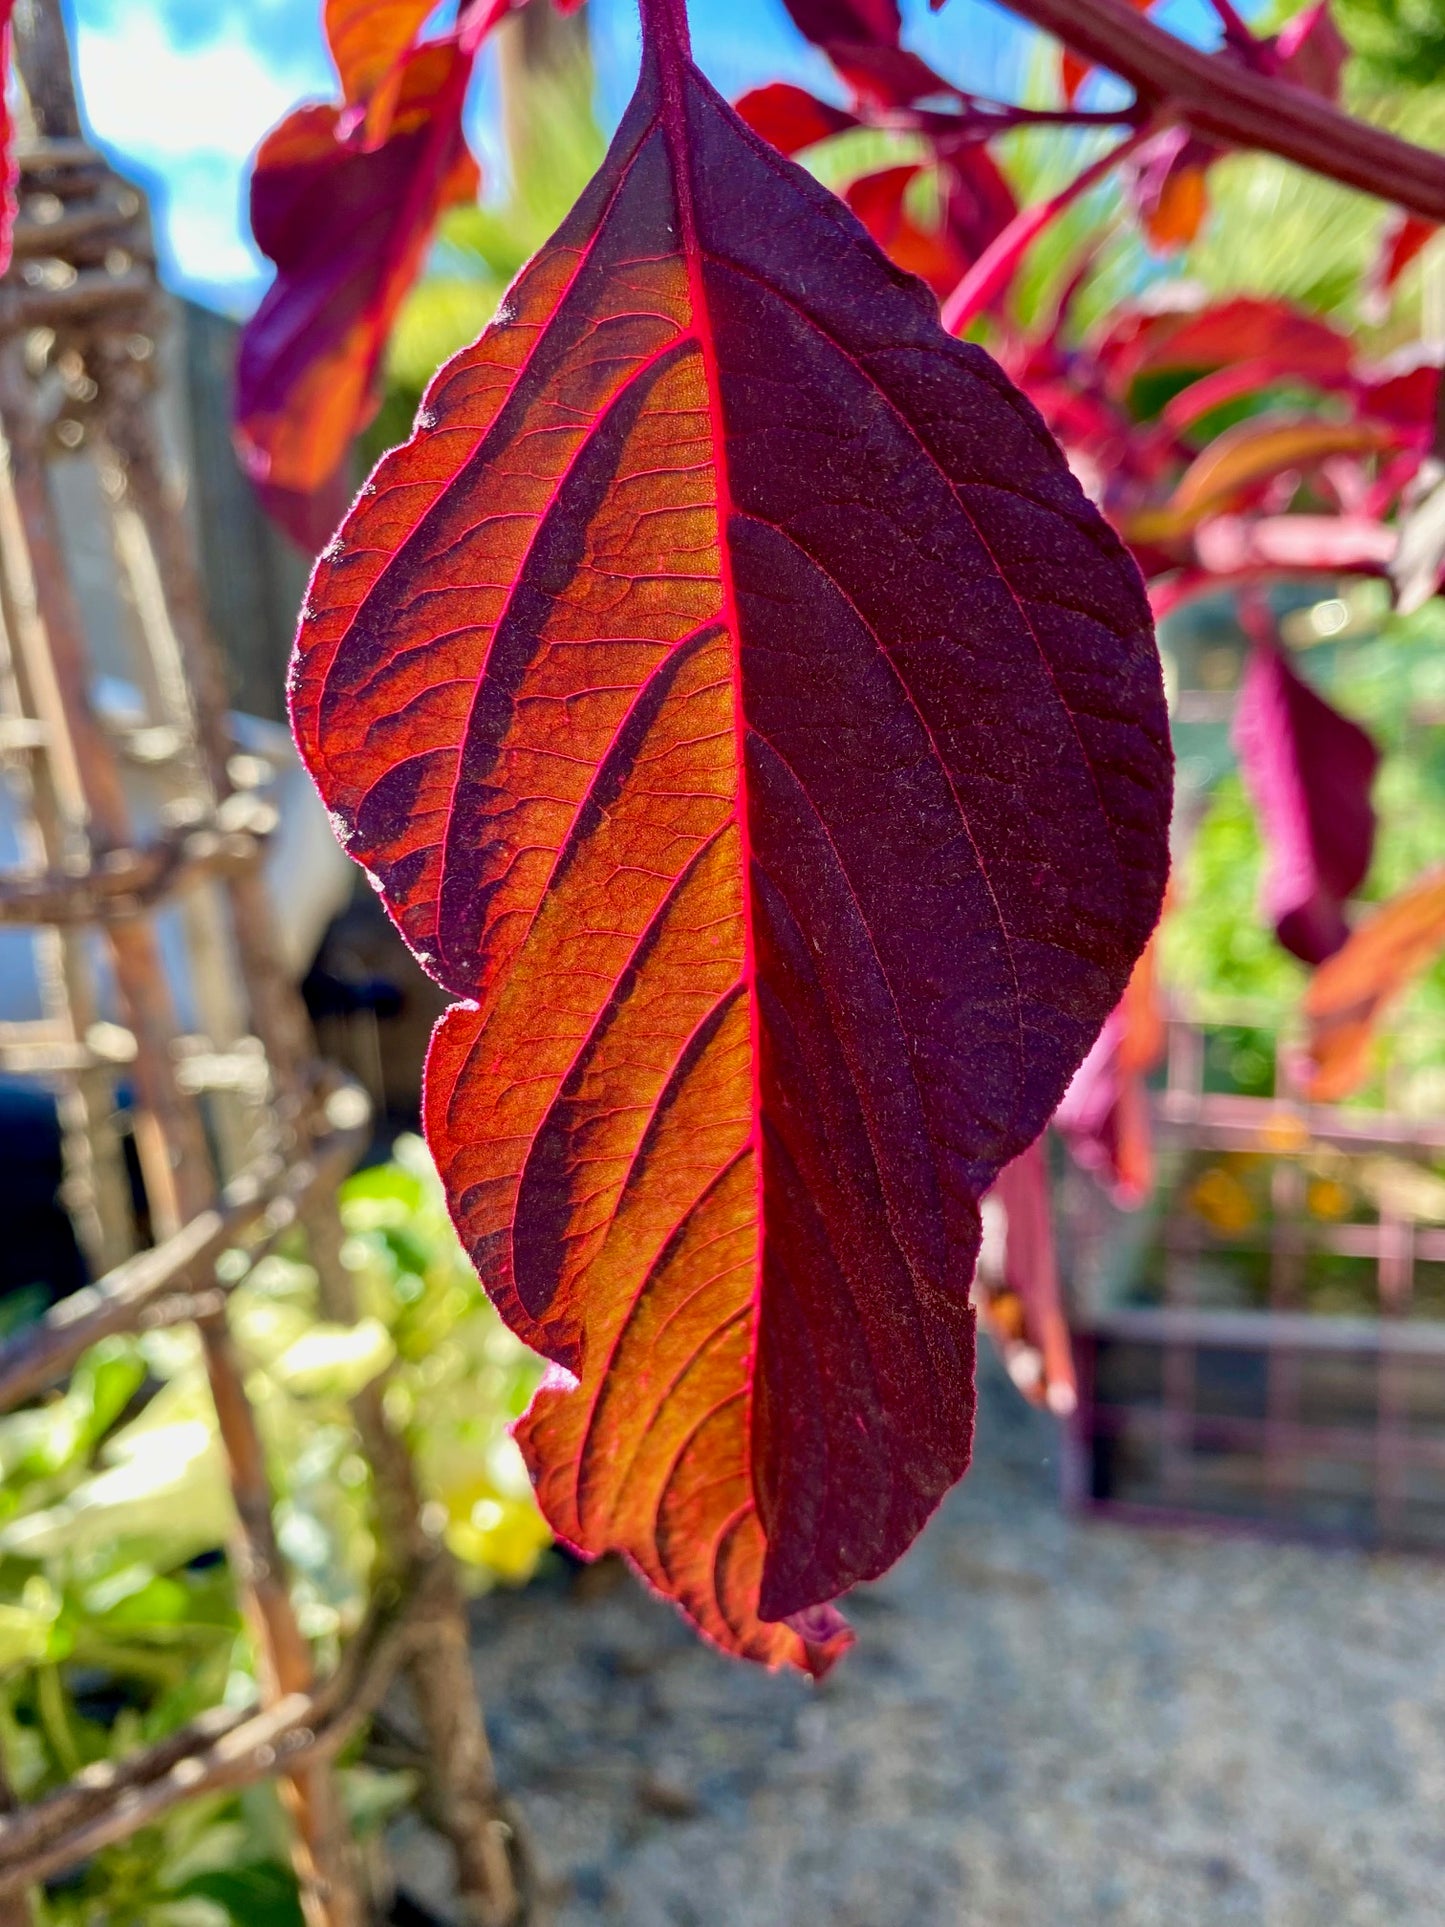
(1389, 674)
(1397, 41)
(118, 1619)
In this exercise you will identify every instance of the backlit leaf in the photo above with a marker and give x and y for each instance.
(346, 226)
(1349, 995)
(737, 701)
(368, 38)
(1309, 771)
(1246, 328)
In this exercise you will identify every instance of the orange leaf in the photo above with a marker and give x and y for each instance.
(347, 228)
(1349, 994)
(1178, 213)
(372, 42)
(1248, 454)
(738, 703)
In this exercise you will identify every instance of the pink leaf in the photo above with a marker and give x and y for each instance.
(1104, 1115)
(1025, 1314)
(1230, 545)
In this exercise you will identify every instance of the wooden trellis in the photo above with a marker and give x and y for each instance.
(239, 1133)
(1266, 1344)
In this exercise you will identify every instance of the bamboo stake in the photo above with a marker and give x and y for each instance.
(462, 1785)
(93, 1186)
(175, 1158)
(156, 553)
(255, 1208)
(16, 1906)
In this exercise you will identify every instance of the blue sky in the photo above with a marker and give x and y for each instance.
(180, 91)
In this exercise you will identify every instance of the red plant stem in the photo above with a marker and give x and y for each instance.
(1247, 109)
(996, 266)
(664, 20)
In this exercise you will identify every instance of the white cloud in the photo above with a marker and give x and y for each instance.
(191, 116)
(161, 102)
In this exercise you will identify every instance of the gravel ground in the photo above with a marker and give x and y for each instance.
(1045, 1723)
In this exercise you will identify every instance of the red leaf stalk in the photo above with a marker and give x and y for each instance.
(995, 268)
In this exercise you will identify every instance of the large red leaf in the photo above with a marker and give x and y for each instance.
(1309, 770)
(346, 225)
(736, 699)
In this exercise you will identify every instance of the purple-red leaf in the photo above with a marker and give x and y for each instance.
(847, 22)
(346, 225)
(1309, 770)
(1311, 51)
(978, 203)
(737, 701)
